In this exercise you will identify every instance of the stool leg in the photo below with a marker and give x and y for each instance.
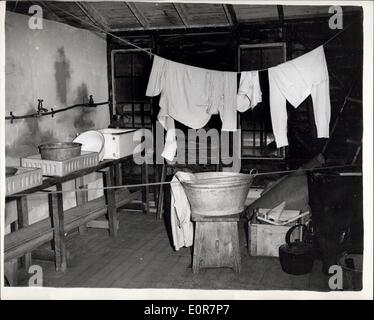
(197, 245)
(236, 247)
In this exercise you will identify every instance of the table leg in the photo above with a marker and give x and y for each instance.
(81, 198)
(23, 221)
(117, 174)
(160, 200)
(110, 198)
(145, 189)
(57, 212)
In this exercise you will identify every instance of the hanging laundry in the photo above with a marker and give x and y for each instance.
(249, 92)
(294, 81)
(191, 95)
(180, 212)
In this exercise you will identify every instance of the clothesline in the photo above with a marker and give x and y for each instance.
(153, 54)
(256, 174)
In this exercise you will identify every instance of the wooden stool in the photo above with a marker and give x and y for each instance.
(216, 242)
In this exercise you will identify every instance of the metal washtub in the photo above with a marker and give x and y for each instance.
(217, 193)
(60, 151)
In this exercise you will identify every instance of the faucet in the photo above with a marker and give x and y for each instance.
(40, 107)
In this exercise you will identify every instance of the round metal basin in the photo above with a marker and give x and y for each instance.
(217, 193)
(60, 151)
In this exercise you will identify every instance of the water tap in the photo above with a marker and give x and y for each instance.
(40, 107)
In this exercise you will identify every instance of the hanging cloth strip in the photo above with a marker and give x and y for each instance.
(294, 81)
(249, 92)
(180, 212)
(191, 95)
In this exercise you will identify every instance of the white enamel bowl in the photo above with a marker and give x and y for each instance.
(92, 141)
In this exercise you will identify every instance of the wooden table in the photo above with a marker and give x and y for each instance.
(28, 237)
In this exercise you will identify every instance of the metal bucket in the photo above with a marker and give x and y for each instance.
(60, 151)
(217, 193)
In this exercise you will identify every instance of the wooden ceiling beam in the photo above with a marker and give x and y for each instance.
(93, 15)
(230, 14)
(182, 14)
(280, 14)
(138, 14)
(175, 28)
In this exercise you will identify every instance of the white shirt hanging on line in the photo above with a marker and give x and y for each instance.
(191, 95)
(249, 93)
(180, 212)
(294, 81)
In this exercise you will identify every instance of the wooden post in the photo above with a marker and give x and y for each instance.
(110, 200)
(57, 214)
(117, 174)
(81, 198)
(160, 200)
(23, 221)
(145, 189)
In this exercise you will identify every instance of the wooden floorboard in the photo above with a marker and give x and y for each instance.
(142, 257)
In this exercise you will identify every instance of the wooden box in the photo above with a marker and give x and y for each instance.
(265, 239)
(119, 143)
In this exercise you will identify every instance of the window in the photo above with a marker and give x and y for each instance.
(257, 139)
(130, 72)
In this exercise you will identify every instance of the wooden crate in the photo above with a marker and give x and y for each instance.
(265, 239)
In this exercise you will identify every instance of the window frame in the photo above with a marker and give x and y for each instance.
(281, 152)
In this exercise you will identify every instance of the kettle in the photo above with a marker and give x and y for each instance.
(297, 257)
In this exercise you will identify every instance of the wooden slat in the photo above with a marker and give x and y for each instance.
(123, 196)
(181, 13)
(81, 215)
(43, 254)
(230, 14)
(280, 14)
(255, 13)
(160, 14)
(138, 15)
(22, 236)
(225, 218)
(93, 15)
(25, 246)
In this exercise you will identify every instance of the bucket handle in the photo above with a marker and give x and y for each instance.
(292, 229)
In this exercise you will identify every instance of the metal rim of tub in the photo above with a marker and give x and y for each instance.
(224, 193)
(60, 145)
(218, 180)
